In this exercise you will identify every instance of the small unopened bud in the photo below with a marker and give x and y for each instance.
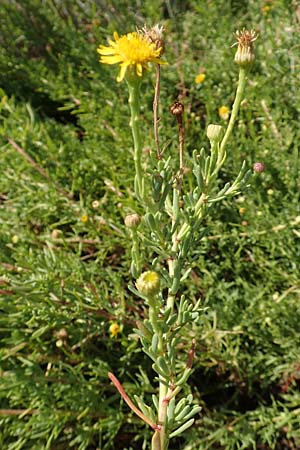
(55, 234)
(177, 109)
(148, 283)
(245, 56)
(214, 133)
(62, 334)
(132, 220)
(95, 204)
(258, 167)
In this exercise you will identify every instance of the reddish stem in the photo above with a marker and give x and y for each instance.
(131, 405)
(191, 355)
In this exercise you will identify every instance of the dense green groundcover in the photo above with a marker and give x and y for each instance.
(65, 253)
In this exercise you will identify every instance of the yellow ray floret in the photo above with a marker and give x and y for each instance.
(131, 50)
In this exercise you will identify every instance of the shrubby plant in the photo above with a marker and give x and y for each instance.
(173, 199)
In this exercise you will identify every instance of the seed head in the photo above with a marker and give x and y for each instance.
(245, 56)
(154, 35)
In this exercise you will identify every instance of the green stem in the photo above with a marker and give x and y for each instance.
(135, 254)
(164, 391)
(235, 109)
(134, 103)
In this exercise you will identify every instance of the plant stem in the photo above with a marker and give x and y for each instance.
(235, 109)
(155, 111)
(164, 391)
(134, 103)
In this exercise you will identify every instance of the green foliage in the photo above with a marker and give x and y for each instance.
(65, 260)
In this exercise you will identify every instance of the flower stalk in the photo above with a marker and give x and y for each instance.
(235, 109)
(135, 124)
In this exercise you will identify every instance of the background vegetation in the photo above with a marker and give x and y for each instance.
(66, 186)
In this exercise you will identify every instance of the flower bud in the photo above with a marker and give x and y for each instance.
(214, 133)
(258, 167)
(62, 334)
(95, 204)
(148, 283)
(132, 220)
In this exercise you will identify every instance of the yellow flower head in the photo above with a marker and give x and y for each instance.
(84, 218)
(265, 9)
(224, 112)
(114, 329)
(133, 51)
(200, 78)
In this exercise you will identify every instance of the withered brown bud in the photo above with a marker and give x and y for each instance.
(177, 109)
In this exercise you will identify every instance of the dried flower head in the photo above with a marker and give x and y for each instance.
(155, 36)
(132, 51)
(177, 109)
(245, 54)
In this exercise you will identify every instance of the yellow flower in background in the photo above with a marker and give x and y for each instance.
(224, 112)
(84, 218)
(265, 9)
(132, 50)
(200, 78)
(114, 329)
